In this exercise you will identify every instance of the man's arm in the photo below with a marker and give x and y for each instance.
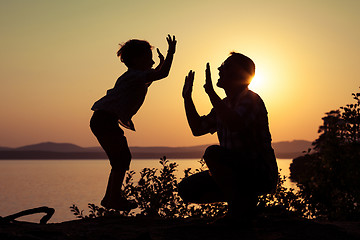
(192, 115)
(163, 69)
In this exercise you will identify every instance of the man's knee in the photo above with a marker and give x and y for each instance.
(212, 153)
(183, 190)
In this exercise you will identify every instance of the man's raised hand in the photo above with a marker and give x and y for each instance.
(208, 82)
(188, 85)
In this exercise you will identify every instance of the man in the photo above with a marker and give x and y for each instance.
(244, 165)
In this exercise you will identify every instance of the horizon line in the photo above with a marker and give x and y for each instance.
(196, 145)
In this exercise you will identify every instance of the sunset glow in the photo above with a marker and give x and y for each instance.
(258, 82)
(58, 57)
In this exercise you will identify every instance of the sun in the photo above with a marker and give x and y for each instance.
(257, 82)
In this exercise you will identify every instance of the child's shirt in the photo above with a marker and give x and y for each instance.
(126, 97)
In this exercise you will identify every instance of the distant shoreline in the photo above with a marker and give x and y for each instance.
(62, 151)
(45, 155)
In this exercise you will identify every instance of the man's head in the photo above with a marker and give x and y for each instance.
(236, 71)
(136, 54)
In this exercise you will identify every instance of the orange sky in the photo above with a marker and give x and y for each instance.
(58, 57)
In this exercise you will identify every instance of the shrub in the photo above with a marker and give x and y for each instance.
(156, 194)
(285, 201)
(329, 177)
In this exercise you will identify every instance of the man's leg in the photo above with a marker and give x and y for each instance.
(236, 183)
(218, 162)
(200, 188)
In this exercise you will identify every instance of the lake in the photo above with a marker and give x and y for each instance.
(58, 184)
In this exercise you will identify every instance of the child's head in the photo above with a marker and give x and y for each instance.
(136, 54)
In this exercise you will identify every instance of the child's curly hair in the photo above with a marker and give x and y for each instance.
(131, 49)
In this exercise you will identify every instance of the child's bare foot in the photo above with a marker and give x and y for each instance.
(121, 204)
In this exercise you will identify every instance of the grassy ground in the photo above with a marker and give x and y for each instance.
(264, 227)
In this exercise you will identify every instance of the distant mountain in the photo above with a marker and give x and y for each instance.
(51, 150)
(5, 149)
(293, 146)
(52, 147)
(291, 149)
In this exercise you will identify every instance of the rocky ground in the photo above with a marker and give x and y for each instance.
(136, 228)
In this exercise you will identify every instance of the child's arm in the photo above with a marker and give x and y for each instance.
(163, 69)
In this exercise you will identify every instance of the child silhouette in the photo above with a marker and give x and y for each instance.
(119, 105)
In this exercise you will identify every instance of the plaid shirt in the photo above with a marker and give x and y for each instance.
(252, 140)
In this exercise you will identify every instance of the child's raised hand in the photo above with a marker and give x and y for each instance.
(171, 43)
(161, 57)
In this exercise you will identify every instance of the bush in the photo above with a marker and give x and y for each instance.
(157, 196)
(329, 177)
(285, 201)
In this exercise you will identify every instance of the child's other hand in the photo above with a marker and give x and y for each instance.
(171, 43)
(161, 57)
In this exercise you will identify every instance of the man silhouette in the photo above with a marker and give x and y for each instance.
(243, 166)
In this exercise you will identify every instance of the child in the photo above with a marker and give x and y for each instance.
(119, 105)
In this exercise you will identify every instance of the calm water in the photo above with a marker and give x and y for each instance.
(58, 184)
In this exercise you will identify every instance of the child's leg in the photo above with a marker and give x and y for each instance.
(114, 198)
(111, 138)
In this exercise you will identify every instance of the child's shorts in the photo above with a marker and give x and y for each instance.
(111, 137)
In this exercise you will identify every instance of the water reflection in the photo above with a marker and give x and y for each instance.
(60, 183)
